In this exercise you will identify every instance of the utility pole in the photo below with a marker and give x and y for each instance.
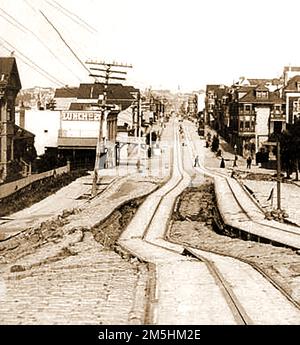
(278, 176)
(107, 76)
(139, 130)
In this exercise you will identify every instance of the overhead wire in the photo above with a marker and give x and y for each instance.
(40, 71)
(15, 20)
(74, 17)
(30, 62)
(22, 56)
(66, 28)
(12, 23)
(29, 4)
(31, 66)
(24, 29)
(65, 42)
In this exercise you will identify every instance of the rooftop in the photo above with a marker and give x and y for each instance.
(8, 69)
(66, 92)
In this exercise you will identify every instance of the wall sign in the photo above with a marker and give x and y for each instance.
(80, 116)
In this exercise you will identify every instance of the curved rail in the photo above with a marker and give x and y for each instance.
(243, 210)
(235, 306)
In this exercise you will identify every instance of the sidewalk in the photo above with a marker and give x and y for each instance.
(61, 274)
(228, 155)
(157, 166)
(290, 192)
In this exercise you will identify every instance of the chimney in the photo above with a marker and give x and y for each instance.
(22, 115)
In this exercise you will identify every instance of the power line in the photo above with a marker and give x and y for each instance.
(61, 37)
(29, 4)
(45, 73)
(11, 22)
(106, 68)
(29, 65)
(15, 20)
(71, 15)
(25, 29)
(66, 26)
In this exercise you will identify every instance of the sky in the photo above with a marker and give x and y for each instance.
(171, 44)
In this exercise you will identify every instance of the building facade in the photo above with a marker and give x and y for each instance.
(10, 85)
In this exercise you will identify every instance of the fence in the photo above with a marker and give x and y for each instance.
(12, 187)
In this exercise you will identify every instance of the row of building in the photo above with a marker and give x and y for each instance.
(251, 111)
(71, 123)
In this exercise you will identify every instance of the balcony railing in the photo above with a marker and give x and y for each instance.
(247, 112)
(78, 133)
(277, 115)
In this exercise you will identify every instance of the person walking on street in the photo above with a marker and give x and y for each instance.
(235, 160)
(196, 164)
(249, 161)
(222, 165)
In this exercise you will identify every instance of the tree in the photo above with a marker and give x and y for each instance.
(215, 144)
(290, 149)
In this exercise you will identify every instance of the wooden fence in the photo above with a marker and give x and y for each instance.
(12, 187)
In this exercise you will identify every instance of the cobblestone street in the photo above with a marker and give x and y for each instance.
(81, 283)
(59, 273)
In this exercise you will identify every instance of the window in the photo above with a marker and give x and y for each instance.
(247, 108)
(277, 127)
(298, 86)
(8, 152)
(261, 94)
(277, 107)
(247, 125)
(9, 110)
(296, 106)
(241, 125)
(264, 94)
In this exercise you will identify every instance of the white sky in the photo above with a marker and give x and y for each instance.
(189, 43)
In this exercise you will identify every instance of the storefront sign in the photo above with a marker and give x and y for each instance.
(80, 116)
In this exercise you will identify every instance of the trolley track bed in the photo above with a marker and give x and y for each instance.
(191, 288)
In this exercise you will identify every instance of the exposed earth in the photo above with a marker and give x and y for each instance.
(192, 226)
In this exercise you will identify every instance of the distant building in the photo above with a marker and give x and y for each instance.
(64, 97)
(44, 124)
(90, 96)
(16, 144)
(247, 113)
(289, 72)
(292, 95)
(258, 113)
(210, 101)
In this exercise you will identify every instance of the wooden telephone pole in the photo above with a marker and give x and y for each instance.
(107, 75)
(278, 176)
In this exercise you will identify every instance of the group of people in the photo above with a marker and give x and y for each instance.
(222, 164)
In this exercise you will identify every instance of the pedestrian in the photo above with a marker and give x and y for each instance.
(222, 165)
(196, 164)
(249, 161)
(235, 160)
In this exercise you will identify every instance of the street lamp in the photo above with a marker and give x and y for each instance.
(235, 155)
(278, 175)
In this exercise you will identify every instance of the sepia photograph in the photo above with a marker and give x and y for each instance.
(149, 166)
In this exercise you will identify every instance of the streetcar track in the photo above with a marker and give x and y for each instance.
(235, 306)
(213, 174)
(248, 262)
(237, 309)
